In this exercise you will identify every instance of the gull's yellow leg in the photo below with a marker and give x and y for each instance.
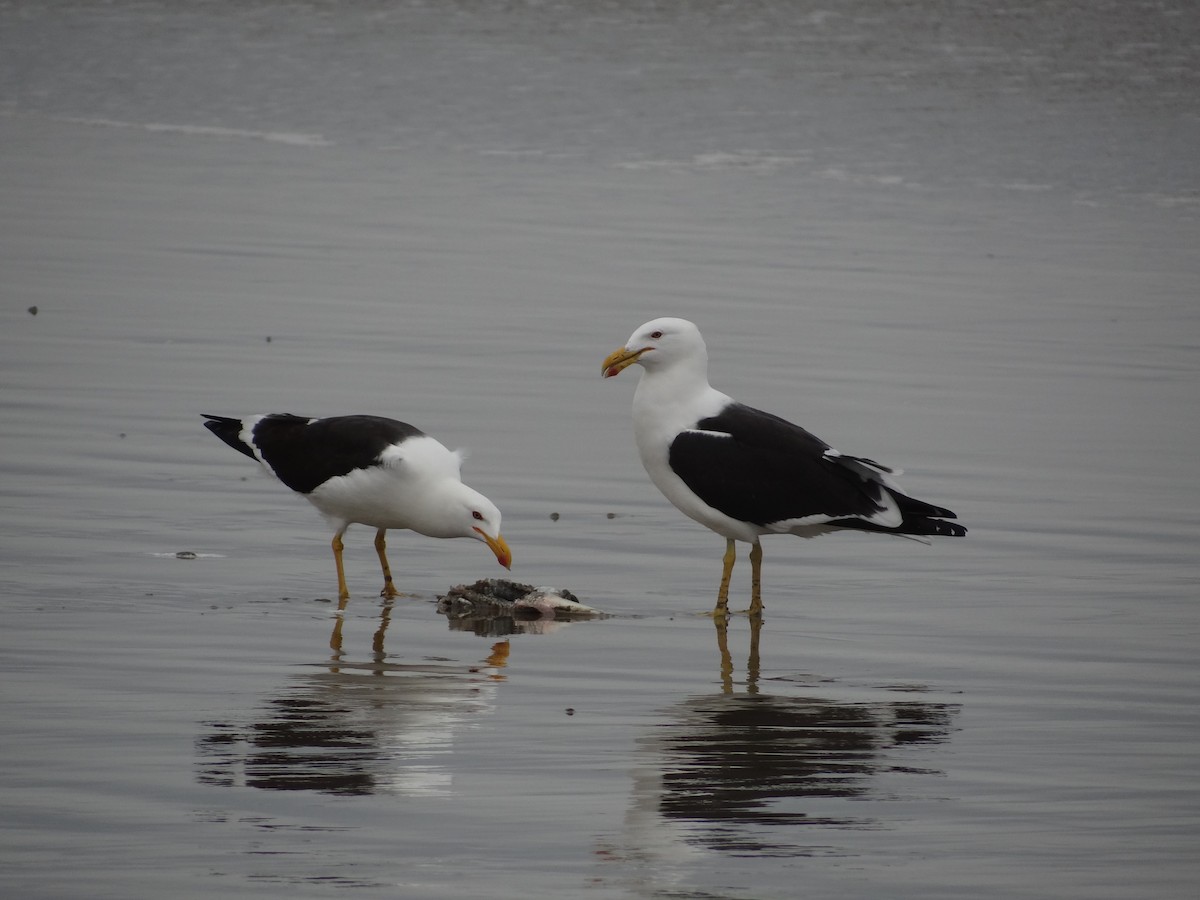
(343, 591)
(756, 606)
(389, 589)
(722, 607)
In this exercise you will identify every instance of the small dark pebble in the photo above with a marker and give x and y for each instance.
(268, 339)
(185, 554)
(33, 310)
(570, 710)
(612, 515)
(553, 517)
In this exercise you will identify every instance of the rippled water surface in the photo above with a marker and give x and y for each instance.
(958, 238)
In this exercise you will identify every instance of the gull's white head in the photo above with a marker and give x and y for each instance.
(461, 511)
(483, 518)
(658, 344)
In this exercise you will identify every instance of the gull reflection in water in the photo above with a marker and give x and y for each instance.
(355, 728)
(749, 772)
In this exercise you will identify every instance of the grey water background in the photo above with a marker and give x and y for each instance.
(956, 237)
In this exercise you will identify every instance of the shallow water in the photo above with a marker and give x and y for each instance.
(954, 243)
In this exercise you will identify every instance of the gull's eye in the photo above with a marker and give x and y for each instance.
(477, 515)
(656, 335)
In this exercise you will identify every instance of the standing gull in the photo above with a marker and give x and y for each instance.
(744, 473)
(369, 470)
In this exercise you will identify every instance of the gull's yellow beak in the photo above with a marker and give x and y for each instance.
(620, 359)
(499, 547)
